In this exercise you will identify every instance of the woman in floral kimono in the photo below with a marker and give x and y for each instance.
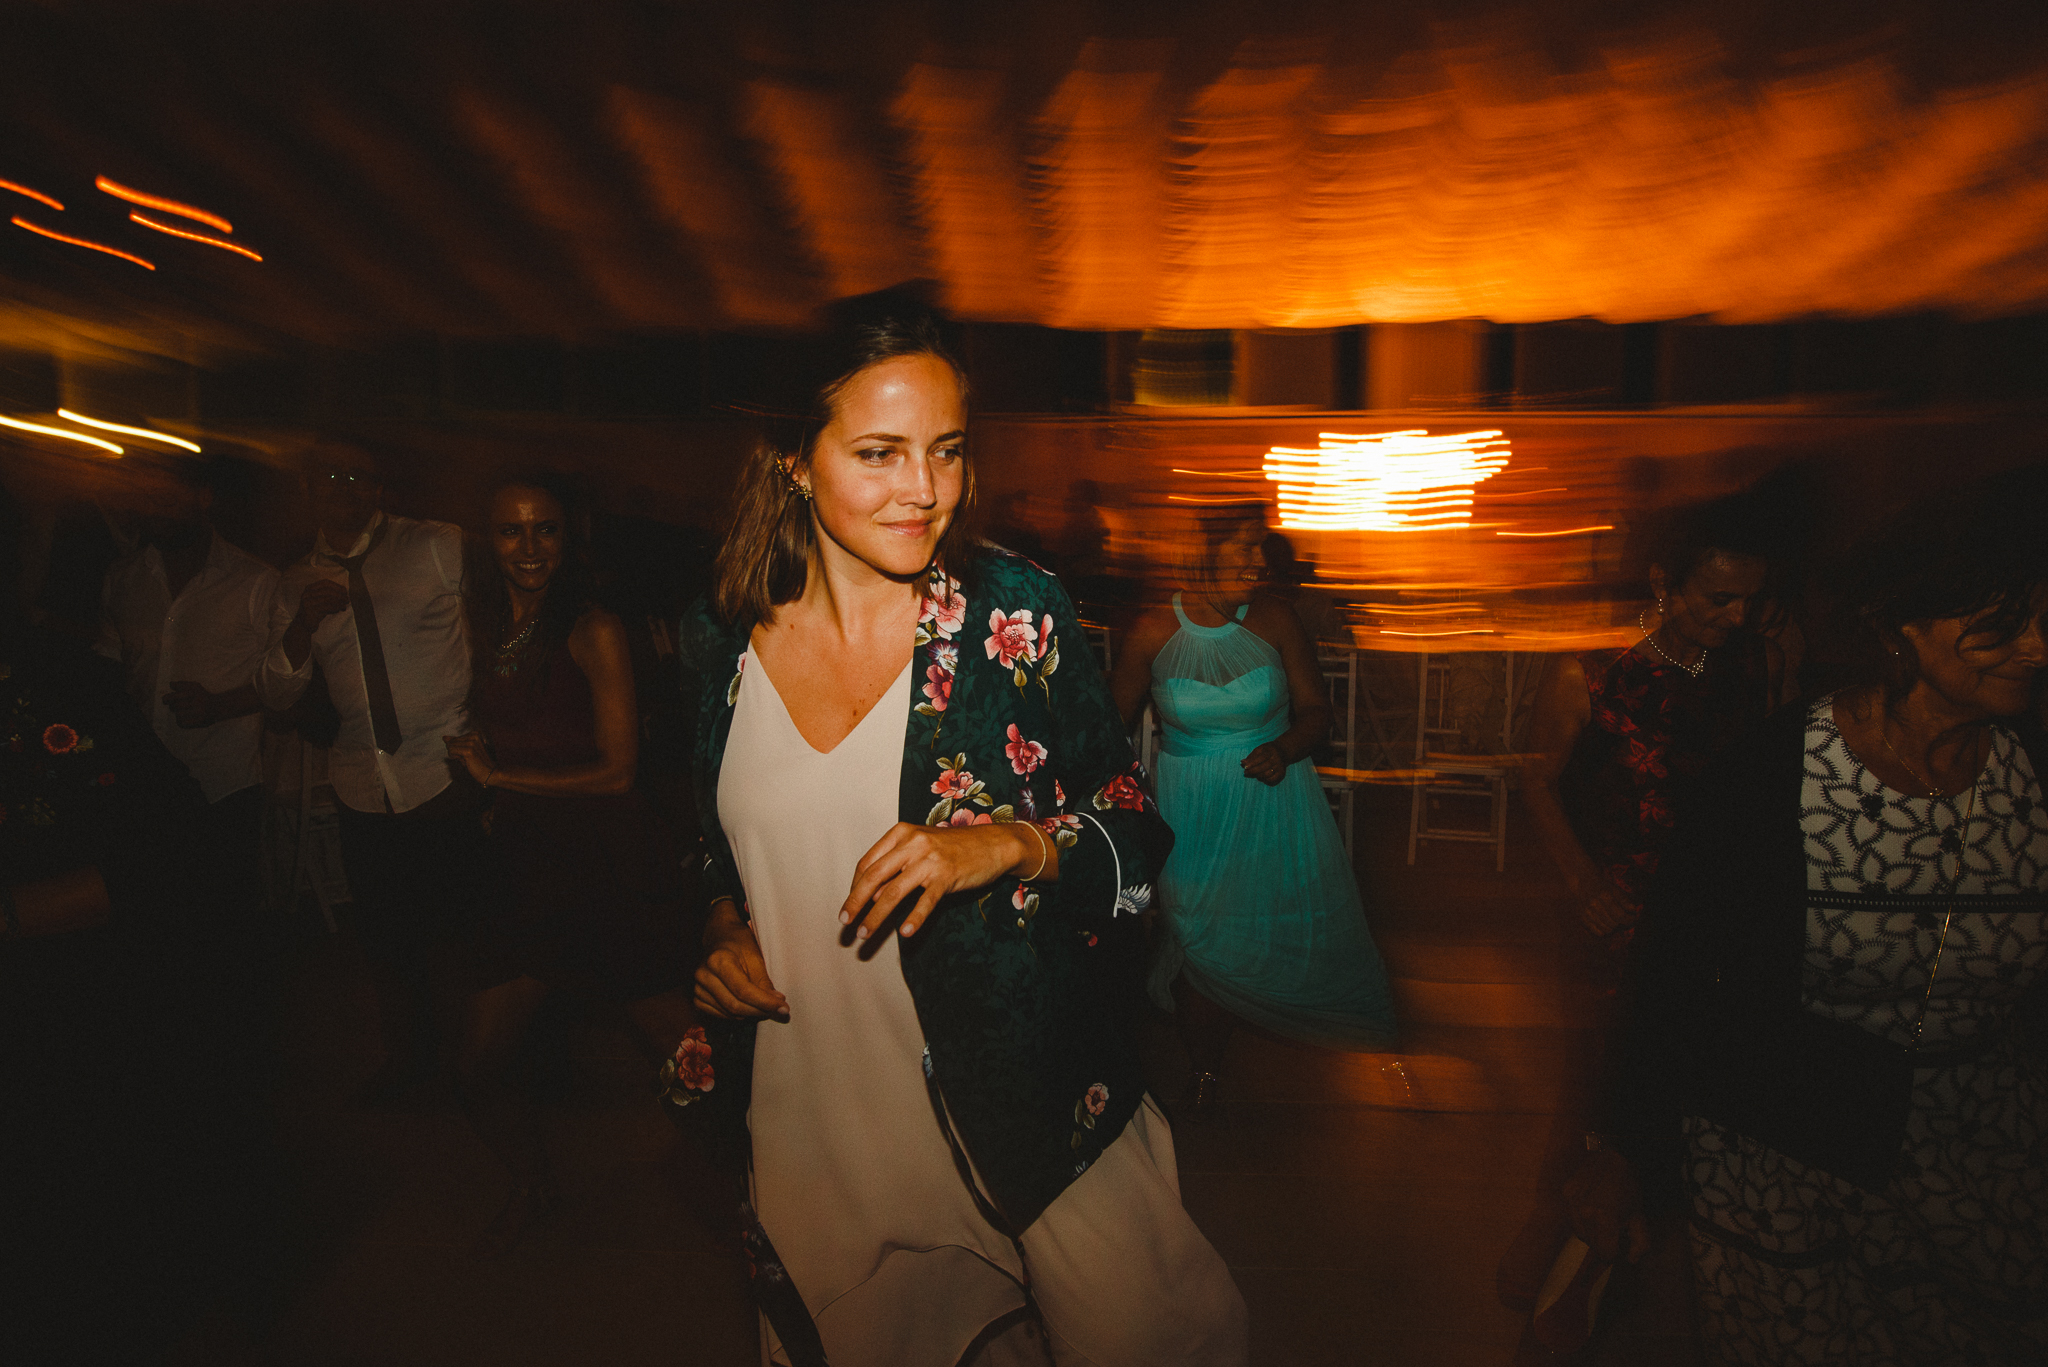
(928, 849)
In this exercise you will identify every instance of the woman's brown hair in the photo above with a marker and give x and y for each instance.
(766, 555)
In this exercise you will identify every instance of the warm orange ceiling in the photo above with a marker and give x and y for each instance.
(626, 164)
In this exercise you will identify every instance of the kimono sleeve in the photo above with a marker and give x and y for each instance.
(1119, 842)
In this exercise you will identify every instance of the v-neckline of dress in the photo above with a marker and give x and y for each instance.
(895, 687)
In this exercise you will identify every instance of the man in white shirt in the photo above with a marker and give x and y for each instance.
(188, 617)
(378, 606)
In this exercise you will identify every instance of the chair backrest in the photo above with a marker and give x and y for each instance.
(1340, 682)
(1439, 722)
(1145, 740)
(1098, 643)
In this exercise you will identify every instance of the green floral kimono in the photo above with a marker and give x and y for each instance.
(1023, 991)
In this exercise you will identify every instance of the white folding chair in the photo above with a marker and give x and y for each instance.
(1451, 775)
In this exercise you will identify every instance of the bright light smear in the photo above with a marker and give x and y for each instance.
(169, 206)
(36, 195)
(81, 242)
(146, 221)
(41, 430)
(142, 432)
(1384, 482)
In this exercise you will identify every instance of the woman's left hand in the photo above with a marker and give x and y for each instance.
(470, 753)
(938, 859)
(1266, 764)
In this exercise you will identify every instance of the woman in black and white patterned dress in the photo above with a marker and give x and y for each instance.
(1828, 1019)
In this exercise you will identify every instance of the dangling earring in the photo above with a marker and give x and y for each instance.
(796, 486)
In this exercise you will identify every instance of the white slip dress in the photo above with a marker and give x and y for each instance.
(853, 1179)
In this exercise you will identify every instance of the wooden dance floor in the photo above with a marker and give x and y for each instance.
(1362, 1202)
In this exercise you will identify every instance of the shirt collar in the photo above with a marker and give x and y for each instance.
(361, 544)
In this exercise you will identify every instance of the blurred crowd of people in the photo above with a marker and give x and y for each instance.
(1805, 889)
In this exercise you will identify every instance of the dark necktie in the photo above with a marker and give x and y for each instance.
(376, 677)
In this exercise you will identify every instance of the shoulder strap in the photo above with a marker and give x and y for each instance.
(1242, 609)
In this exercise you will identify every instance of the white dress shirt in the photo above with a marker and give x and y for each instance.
(415, 580)
(214, 633)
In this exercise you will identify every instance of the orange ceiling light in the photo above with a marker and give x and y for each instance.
(43, 431)
(142, 432)
(169, 206)
(36, 195)
(146, 221)
(1385, 481)
(82, 242)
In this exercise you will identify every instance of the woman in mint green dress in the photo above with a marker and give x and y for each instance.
(1260, 907)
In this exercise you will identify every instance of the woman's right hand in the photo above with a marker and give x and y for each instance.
(1605, 1207)
(732, 982)
(1602, 906)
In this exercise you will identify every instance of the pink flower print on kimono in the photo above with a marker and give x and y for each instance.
(944, 610)
(959, 792)
(1016, 645)
(1012, 637)
(1092, 1103)
(1025, 755)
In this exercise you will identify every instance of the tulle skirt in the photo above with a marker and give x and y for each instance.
(1261, 908)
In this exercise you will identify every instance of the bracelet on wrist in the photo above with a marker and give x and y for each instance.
(1044, 851)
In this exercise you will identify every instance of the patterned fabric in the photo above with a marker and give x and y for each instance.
(1654, 726)
(1018, 987)
(1950, 1263)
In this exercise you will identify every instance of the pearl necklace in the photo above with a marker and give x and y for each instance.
(1694, 669)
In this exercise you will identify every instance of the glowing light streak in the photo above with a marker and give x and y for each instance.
(1531, 493)
(142, 432)
(169, 206)
(1406, 481)
(41, 430)
(1466, 631)
(81, 242)
(1568, 531)
(146, 221)
(37, 195)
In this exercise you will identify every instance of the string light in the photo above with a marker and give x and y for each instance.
(1405, 481)
(146, 221)
(41, 430)
(81, 242)
(142, 432)
(169, 206)
(32, 194)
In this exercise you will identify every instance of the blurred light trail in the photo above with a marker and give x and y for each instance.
(146, 221)
(37, 195)
(1465, 631)
(41, 430)
(169, 206)
(142, 432)
(1567, 531)
(81, 242)
(1531, 493)
(1403, 481)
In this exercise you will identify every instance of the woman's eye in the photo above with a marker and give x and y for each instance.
(948, 453)
(876, 454)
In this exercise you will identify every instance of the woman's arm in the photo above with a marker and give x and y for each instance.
(1130, 681)
(598, 646)
(1563, 710)
(732, 982)
(1308, 702)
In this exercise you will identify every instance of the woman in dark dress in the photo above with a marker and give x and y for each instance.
(1620, 737)
(1827, 1042)
(590, 895)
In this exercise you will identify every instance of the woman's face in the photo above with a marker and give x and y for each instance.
(1715, 600)
(887, 471)
(1241, 559)
(1969, 673)
(527, 536)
